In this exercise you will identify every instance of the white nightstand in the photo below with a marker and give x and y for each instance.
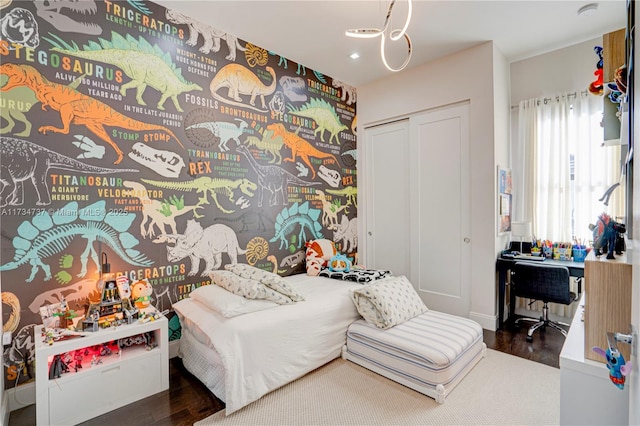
(93, 390)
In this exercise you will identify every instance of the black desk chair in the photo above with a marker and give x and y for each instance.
(548, 283)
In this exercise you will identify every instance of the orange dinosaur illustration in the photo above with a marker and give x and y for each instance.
(299, 147)
(74, 107)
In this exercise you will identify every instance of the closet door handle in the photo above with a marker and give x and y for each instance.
(467, 240)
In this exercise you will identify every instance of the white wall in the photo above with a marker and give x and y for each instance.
(564, 70)
(467, 75)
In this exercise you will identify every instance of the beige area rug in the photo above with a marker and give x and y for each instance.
(501, 389)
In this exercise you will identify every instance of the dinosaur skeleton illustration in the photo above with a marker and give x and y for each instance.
(294, 88)
(51, 11)
(351, 192)
(272, 178)
(206, 185)
(77, 293)
(297, 215)
(49, 234)
(330, 210)
(293, 260)
(210, 35)
(348, 92)
(202, 244)
(157, 213)
(24, 160)
(332, 177)
(165, 163)
(347, 232)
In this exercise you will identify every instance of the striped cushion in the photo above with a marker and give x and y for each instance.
(432, 340)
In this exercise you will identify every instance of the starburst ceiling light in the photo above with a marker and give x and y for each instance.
(394, 35)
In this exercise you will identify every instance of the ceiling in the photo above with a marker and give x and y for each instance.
(312, 32)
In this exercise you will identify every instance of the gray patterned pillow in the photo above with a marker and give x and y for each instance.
(247, 288)
(271, 280)
(388, 302)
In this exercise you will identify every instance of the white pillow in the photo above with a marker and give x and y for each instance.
(247, 288)
(271, 280)
(228, 304)
(388, 302)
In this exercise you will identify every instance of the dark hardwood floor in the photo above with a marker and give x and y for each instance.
(188, 400)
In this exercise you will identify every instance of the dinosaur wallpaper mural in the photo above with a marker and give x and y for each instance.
(172, 147)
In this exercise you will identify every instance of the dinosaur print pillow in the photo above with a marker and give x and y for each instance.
(388, 302)
(247, 288)
(271, 280)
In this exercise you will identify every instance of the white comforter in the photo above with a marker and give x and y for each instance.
(264, 350)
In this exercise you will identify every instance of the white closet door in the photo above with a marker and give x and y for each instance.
(387, 197)
(440, 198)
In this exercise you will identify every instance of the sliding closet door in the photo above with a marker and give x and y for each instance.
(387, 197)
(440, 198)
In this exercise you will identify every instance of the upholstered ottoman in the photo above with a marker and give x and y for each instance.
(430, 353)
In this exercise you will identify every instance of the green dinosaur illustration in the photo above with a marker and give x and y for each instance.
(324, 114)
(290, 217)
(206, 185)
(46, 235)
(145, 64)
(351, 192)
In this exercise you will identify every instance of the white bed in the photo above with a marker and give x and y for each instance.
(240, 359)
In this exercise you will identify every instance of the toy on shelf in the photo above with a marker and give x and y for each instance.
(606, 233)
(141, 292)
(114, 307)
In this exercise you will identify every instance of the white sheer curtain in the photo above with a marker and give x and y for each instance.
(556, 135)
(561, 169)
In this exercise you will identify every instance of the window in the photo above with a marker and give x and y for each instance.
(561, 170)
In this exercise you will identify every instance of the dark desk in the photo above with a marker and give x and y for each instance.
(503, 266)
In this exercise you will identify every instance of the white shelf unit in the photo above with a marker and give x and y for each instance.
(118, 380)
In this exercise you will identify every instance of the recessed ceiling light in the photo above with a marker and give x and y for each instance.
(354, 55)
(588, 9)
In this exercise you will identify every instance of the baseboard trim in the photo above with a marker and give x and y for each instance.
(4, 410)
(21, 396)
(488, 322)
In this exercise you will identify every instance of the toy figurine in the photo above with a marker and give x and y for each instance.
(606, 231)
(339, 263)
(141, 292)
(618, 368)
